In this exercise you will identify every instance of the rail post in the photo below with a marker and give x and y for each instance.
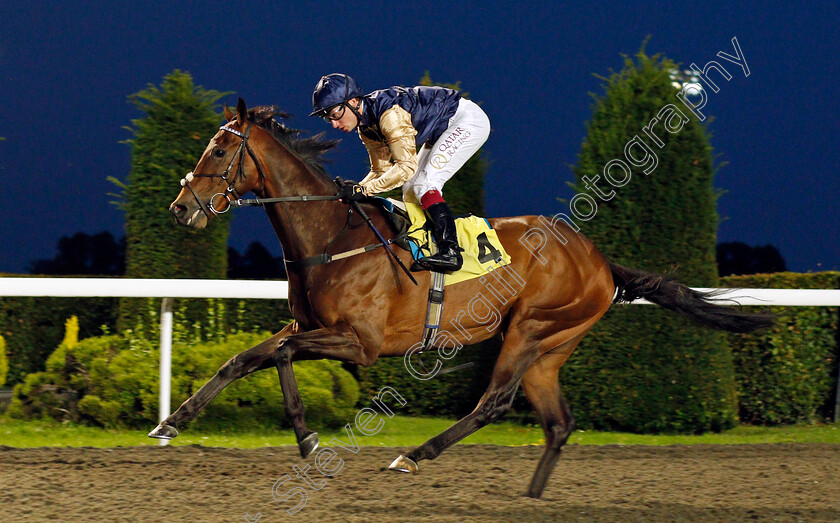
(165, 361)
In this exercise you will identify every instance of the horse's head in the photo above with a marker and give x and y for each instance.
(227, 169)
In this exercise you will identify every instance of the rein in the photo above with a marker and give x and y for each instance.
(262, 201)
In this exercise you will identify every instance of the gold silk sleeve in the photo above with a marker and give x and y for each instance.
(400, 147)
(380, 157)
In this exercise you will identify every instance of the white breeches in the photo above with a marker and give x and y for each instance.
(468, 130)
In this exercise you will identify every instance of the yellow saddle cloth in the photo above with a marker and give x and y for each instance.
(482, 249)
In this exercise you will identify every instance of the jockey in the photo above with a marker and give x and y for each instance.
(393, 124)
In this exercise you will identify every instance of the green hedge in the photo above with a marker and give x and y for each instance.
(646, 369)
(454, 394)
(179, 118)
(678, 377)
(113, 381)
(208, 319)
(788, 374)
(33, 327)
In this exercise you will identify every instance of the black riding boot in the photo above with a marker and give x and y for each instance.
(448, 258)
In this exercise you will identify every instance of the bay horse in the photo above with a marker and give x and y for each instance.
(360, 308)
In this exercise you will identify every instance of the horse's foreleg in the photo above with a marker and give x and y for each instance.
(335, 343)
(543, 392)
(244, 363)
(307, 439)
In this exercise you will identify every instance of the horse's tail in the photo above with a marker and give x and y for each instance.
(632, 284)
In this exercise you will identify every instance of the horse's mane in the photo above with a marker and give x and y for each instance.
(308, 149)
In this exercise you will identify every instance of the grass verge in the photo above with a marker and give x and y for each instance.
(400, 431)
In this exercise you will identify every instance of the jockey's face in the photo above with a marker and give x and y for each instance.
(342, 118)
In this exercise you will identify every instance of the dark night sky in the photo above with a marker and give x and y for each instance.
(67, 70)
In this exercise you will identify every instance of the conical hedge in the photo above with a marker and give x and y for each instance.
(180, 120)
(646, 199)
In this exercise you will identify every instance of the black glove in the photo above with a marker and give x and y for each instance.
(351, 192)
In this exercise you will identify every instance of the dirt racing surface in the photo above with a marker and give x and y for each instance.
(784, 482)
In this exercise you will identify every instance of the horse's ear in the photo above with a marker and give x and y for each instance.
(228, 113)
(241, 112)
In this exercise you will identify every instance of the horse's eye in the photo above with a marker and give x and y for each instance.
(219, 153)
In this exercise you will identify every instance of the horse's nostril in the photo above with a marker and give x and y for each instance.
(178, 210)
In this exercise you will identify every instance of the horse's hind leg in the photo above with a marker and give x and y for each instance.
(244, 363)
(510, 368)
(543, 392)
(494, 404)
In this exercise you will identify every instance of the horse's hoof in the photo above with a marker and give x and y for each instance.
(308, 444)
(403, 464)
(164, 431)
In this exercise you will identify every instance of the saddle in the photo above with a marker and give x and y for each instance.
(397, 217)
(483, 251)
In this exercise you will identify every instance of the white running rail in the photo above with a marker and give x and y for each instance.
(242, 289)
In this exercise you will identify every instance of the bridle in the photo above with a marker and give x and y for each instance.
(233, 198)
(229, 193)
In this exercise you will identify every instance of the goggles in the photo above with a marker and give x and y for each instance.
(335, 112)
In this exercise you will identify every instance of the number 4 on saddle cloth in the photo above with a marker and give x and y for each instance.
(482, 253)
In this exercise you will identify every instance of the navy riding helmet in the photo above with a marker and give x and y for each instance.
(333, 89)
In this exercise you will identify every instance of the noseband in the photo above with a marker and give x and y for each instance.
(229, 193)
